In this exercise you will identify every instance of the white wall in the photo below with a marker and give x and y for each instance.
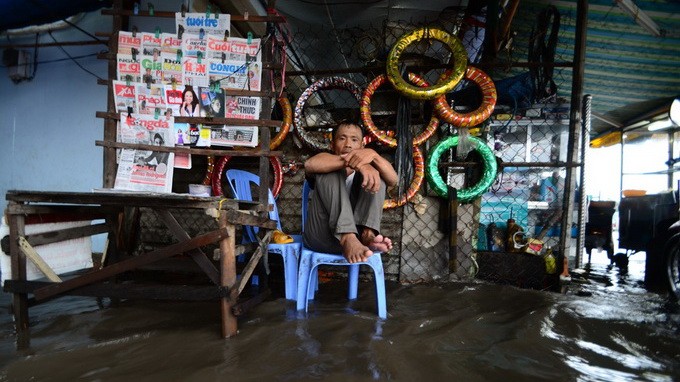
(48, 125)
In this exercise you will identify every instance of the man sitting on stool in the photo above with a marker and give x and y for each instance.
(349, 186)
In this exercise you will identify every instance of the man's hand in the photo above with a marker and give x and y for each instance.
(359, 157)
(371, 178)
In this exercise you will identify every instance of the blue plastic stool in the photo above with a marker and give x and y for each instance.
(308, 276)
(239, 181)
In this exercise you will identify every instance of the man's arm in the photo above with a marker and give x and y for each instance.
(360, 157)
(324, 163)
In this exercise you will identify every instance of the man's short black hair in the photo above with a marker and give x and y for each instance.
(346, 122)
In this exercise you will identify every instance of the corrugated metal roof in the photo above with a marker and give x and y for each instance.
(629, 72)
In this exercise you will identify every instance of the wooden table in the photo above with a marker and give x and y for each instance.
(110, 206)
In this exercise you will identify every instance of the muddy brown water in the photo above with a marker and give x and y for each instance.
(607, 327)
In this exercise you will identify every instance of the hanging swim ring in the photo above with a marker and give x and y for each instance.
(459, 56)
(219, 170)
(465, 195)
(382, 136)
(324, 143)
(477, 116)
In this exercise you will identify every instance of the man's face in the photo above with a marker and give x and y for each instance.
(346, 139)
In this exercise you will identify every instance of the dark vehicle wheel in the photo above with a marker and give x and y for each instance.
(673, 269)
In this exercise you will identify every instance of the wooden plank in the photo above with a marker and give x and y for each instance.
(254, 259)
(228, 277)
(189, 150)
(131, 263)
(114, 198)
(171, 14)
(127, 290)
(196, 254)
(18, 263)
(205, 120)
(244, 306)
(32, 255)
(244, 218)
(66, 234)
(76, 212)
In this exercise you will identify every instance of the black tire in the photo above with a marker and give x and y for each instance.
(673, 269)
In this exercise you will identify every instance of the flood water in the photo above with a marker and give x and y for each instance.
(607, 327)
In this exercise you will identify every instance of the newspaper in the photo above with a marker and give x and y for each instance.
(127, 41)
(142, 170)
(170, 43)
(124, 96)
(149, 98)
(171, 69)
(235, 75)
(234, 49)
(197, 23)
(192, 44)
(151, 69)
(242, 107)
(151, 44)
(235, 136)
(128, 65)
(195, 74)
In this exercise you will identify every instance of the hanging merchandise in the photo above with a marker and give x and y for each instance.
(323, 143)
(220, 168)
(543, 53)
(465, 195)
(457, 71)
(477, 116)
(382, 136)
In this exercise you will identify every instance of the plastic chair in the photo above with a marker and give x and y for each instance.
(240, 181)
(310, 260)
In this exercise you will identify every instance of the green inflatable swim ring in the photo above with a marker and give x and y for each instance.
(465, 195)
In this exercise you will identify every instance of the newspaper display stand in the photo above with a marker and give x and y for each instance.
(112, 206)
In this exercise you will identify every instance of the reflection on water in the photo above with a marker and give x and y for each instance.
(606, 328)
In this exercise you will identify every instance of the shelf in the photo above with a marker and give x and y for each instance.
(191, 150)
(168, 14)
(208, 120)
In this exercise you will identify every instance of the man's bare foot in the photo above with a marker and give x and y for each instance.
(353, 250)
(378, 243)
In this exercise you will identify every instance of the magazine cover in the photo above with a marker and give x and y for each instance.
(170, 43)
(235, 75)
(195, 23)
(192, 44)
(143, 170)
(235, 136)
(212, 103)
(151, 44)
(124, 96)
(242, 107)
(195, 74)
(127, 65)
(126, 41)
(173, 98)
(234, 49)
(150, 98)
(181, 134)
(151, 69)
(171, 69)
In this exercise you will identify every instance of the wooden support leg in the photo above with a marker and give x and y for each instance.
(228, 277)
(20, 300)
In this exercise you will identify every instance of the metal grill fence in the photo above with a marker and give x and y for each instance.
(528, 136)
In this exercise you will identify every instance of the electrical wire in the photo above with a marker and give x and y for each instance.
(73, 59)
